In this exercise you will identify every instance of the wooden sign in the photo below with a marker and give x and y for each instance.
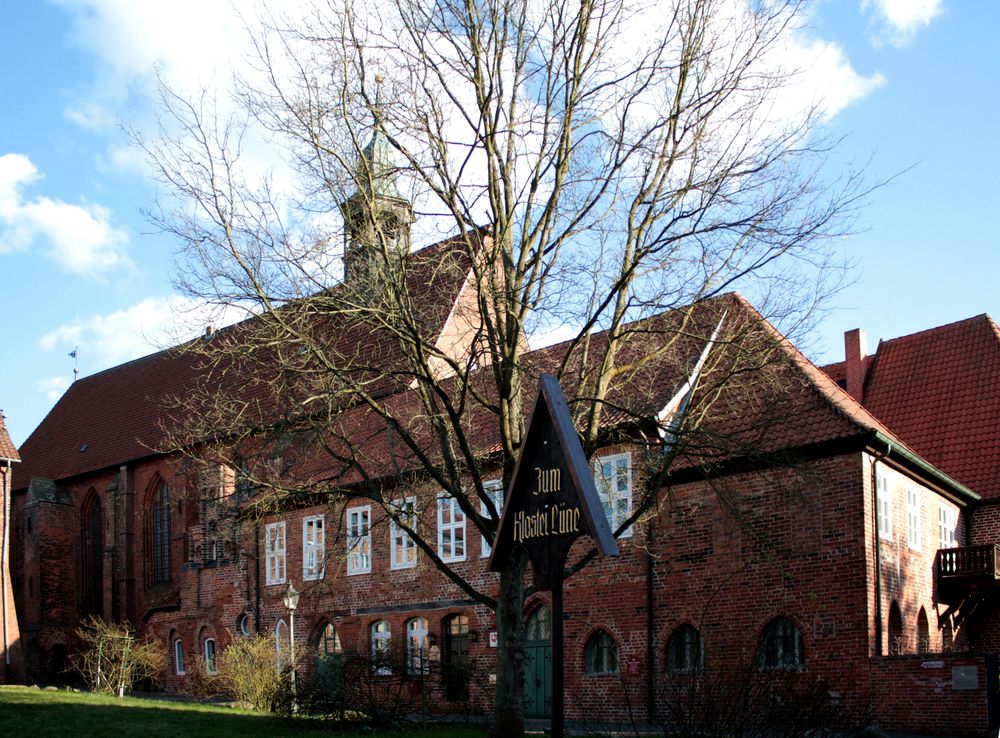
(552, 499)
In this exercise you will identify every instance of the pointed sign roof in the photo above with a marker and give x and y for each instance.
(552, 440)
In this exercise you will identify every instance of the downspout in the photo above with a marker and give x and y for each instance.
(878, 547)
(650, 651)
(878, 571)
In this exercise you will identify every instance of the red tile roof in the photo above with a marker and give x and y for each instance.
(116, 415)
(7, 450)
(938, 390)
(758, 395)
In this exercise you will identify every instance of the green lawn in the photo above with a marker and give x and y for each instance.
(37, 713)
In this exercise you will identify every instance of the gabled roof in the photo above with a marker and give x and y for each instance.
(7, 450)
(759, 398)
(115, 416)
(939, 390)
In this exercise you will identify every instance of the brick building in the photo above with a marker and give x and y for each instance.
(11, 653)
(836, 527)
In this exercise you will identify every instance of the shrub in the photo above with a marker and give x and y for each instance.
(249, 675)
(111, 660)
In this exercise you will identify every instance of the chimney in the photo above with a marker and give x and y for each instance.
(855, 362)
(209, 332)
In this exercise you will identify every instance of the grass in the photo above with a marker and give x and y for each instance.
(39, 713)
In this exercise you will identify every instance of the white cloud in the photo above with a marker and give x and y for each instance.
(899, 20)
(81, 238)
(103, 341)
(188, 42)
(52, 388)
(824, 76)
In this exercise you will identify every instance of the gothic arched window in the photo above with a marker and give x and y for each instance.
(159, 538)
(600, 655)
(685, 651)
(92, 524)
(781, 646)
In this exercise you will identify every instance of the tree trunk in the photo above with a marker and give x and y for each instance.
(508, 715)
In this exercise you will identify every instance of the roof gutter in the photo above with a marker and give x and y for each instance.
(896, 451)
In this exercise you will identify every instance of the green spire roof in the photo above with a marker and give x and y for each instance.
(378, 165)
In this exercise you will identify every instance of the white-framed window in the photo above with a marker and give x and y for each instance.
(313, 548)
(403, 549)
(179, 656)
(493, 488)
(381, 648)
(613, 475)
(359, 540)
(914, 536)
(416, 646)
(947, 522)
(883, 495)
(451, 530)
(274, 552)
(210, 666)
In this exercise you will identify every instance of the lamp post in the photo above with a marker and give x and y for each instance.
(291, 599)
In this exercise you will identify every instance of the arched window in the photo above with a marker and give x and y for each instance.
(92, 524)
(178, 653)
(685, 651)
(381, 647)
(781, 646)
(600, 655)
(539, 625)
(896, 643)
(243, 625)
(159, 535)
(329, 641)
(923, 633)
(416, 646)
(209, 650)
(281, 642)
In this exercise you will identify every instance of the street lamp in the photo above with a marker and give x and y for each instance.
(291, 599)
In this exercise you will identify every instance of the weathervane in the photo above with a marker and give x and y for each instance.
(76, 368)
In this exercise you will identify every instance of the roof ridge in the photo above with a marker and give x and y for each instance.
(940, 328)
(180, 345)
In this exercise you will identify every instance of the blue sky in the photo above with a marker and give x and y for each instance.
(914, 85)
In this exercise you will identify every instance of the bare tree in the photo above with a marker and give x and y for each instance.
(597, 164)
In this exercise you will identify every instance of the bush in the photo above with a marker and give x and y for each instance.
(249, 675)
(746, 702)
(111, 660)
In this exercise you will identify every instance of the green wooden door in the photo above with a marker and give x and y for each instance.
(538, 679)
(538, 664)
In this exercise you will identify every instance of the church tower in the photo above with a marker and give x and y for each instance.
(377, 217)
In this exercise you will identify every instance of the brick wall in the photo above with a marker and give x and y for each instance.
(919, 695)
(725, 557)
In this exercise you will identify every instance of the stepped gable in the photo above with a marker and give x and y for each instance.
(116, 416)
(937, 389)
(7, 450)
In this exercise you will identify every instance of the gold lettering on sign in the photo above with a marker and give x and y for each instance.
(547, 480)
(549, 521)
